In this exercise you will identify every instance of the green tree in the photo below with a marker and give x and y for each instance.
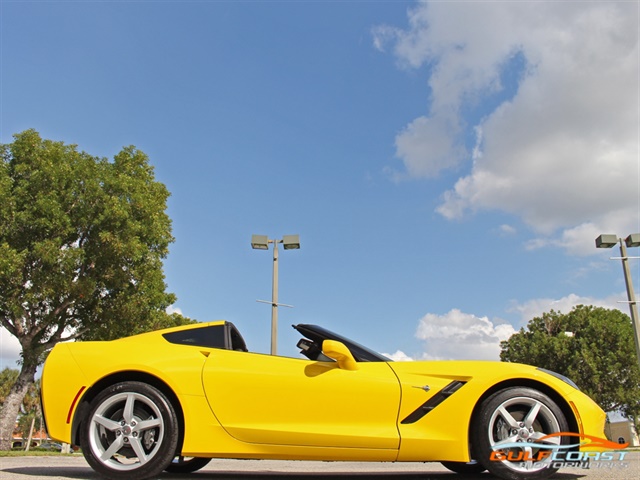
(24, 426)
(82, 241)
(593, 346)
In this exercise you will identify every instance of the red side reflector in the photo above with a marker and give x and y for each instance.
(73, 404)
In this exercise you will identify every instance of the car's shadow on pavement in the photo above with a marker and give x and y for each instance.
(84, 473)
(346, 474)
(362, 476)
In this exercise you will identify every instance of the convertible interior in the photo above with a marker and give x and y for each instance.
(226, 336)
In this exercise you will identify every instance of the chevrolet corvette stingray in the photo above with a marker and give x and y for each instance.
(174, 399)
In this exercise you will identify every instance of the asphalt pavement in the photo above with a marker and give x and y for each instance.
(76, 468)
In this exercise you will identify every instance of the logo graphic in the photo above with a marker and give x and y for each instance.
(551, 451)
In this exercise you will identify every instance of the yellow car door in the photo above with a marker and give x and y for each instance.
(274, 400)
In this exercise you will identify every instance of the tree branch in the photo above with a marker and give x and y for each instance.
(66, 304)
(9, 326)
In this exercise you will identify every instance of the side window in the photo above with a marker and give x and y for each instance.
(212, 337)
(237, 342)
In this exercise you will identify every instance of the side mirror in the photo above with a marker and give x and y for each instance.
(340, 353)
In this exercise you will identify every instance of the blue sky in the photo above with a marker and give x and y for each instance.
(447, 165)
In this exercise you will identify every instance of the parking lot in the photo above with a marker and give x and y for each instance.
(75, 467)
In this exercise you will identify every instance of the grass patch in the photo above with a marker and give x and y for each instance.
(33, 453)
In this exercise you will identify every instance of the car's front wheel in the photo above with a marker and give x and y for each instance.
(130, 433)
(510, 435)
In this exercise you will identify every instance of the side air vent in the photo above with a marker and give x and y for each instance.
(433, 402)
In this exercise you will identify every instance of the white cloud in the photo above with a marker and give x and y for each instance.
(563, 153)
(399, 356)
(9, 349)
(458, 335)
(428, 146)
(506, 230)
(536, 307)
(465, 336)
(172, 309)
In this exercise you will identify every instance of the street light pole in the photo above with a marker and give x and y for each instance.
(633, 240)
(633, 306)
(274, 301)
(261, 242)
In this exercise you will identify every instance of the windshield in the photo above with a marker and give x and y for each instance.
(319, 334)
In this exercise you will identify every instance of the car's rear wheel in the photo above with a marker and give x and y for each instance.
(130, 433)
(510, 434)
(187, 464)
(468, 468)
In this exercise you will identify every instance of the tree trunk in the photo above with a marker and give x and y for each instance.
(11, 406)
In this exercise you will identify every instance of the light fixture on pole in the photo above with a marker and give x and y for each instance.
(261, 242)
(633, 240)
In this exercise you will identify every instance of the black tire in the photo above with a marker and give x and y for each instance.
(469, 468)
(130, 432)
(517, 415)
(187, 464)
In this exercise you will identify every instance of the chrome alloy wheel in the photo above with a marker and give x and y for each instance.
(516, 428)
(126, 431)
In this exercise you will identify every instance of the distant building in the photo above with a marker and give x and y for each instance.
(36, 439)
(622, 431)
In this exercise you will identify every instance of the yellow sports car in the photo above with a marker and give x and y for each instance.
(175, 398)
